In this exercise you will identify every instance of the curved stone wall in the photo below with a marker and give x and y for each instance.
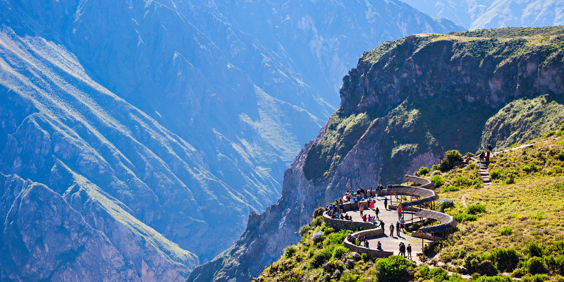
(371, 253)
(340, 224)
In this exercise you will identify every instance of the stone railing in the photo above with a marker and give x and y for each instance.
(371, 253)
(340, 224)
(425, 183)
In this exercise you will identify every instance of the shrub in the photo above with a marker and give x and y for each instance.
(506, 230)
(468, 217)
(555, 264)
(529, 168)
(339, 252)
(471, 261)
(469, 154)
(437, 180)
(445, 204)
(450, 189)
(560, 156)
(436, 167)
(317, 260)
(487, 267)
(462, 181)
(474, 209)
(364, 257)
(536, 265)
(508, 180)
(290, 251)
(423, 171)
(317, 221)
(304, 230)
(438, 274)
(535, 278)
(394, 268)
(505, 259)
(534, 249)
(498, 173)
(336, 238)
(451, 159)
(514, 145)
(348, 277)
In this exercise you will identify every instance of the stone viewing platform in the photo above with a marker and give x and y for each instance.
(412, 200)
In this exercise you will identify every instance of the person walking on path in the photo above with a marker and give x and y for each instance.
(391, 230)
(409, 251)
(490, 147)
(377, 211)
(397, 228)
(386, 203)
(402, 249)
(382, 225)
(400, 210)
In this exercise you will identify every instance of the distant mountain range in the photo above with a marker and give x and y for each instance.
(137, 136)
(476, 14)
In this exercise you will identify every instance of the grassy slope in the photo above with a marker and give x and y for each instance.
(526, 217)
(518, 215)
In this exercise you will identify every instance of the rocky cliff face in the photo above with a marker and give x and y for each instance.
(403, 104)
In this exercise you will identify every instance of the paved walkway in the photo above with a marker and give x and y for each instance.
(390, 243)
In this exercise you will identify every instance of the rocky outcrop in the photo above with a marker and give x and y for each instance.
(405, 100)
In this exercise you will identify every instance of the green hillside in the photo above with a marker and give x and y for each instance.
(511, 229)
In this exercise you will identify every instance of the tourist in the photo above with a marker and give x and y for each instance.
(360, 208)
(402, 249)
(379, 246)
(386, 203)
(364, 218)
(391, 230)
(409, 251)
(382, 225)
(482, 156)
(341, 206)
(377, 211)
(402, 222)
(370, 193)
(366, 243)
(381, 188)
(490, 147)
(399, 213)
(397, 228)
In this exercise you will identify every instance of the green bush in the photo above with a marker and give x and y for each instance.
(471, 261)
(486, 267)
(534, 249)
(555, 263)
(423, 171)
(317, 221)
(394, 268)
(364, 257)
(304, 230)
(474, 209)
(508, 180)
(535, 278)
(336, 237)
(514, 145)
(436, 167)
(536, 265)
(505, 259)
(317, 260)
(462, 181)
(445, 204)
(290, 251)
(450, 189)
(349, 277)
(339, 252)
(437, 180)
(451, 159)
(498, 173)
(506, 230)
(560, 156)
(468, 217)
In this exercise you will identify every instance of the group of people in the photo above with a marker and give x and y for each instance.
(362, 240)
(400, 226)
(402, 249)
(485, 156)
